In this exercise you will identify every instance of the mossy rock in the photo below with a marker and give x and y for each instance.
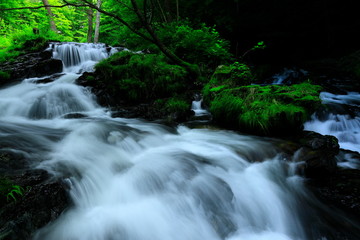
(176, 109)
(225, 77)
(233, 75)
(141, 77)
(265, 110)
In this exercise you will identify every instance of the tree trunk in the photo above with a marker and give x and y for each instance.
(192, 68)
(50, 14)
(97, 23)
(177, 11)
(90, 24)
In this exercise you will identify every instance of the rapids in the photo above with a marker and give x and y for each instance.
(134, 180)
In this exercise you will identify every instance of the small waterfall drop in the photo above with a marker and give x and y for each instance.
(289, 76)
(196, 106)
(60, 97)
(81, 57)
(341, 119)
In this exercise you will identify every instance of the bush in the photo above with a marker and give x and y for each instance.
(141, 77)
(265, 110)
(26, 41)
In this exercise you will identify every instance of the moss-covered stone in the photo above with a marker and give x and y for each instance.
(264, 110)
(175, 108)
(224, 77)
(141, 77)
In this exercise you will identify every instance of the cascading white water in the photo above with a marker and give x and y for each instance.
(80, 57)
(339, 122)
(197, 108)
(134, 180)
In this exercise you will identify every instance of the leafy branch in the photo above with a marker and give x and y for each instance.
(259, 45)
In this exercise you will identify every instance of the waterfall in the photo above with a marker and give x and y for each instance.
(133, 180)
(289, 76)
(81, 57)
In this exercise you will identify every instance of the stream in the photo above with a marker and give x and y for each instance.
(134, 180)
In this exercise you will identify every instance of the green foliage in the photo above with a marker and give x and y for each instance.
(259, 46)
(24, 42)
(70, 22)
(140, 77)
(9, 191)
(200, 45)
(265, 110)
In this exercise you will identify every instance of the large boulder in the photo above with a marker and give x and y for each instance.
(43, 200)
(30, 65)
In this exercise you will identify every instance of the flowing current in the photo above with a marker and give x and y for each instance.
(135, 180)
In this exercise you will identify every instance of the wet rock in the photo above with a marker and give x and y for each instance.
(318, 153)
(74, 116)
(46, 54)
(43, 68)
(44, 199)
(11, 161)
(49, 79)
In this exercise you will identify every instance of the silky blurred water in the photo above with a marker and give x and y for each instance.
(130, 179)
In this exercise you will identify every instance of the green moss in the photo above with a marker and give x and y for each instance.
(265, 110)
(225, 77)
(141, 77)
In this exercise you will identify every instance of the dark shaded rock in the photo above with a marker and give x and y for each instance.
(11, 161)
(74, 115)
(43, 68)
(30, 65)
(49, 78)
(318, 153)
(43, 201)
(341, 190)
(47, 54)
